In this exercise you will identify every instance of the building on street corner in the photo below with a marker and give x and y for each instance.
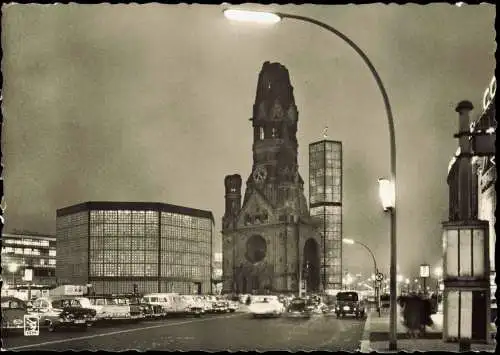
(122, 247)
(28, 250)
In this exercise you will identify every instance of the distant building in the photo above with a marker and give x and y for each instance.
(27, 250)
(325, 204)
(217, 274)
(121, 247)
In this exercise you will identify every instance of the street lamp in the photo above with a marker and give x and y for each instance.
(407, 282)
(267, 17)
(13, 267)
(351, 242)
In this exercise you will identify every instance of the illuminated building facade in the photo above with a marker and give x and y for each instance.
(121, 247)
(28, 250)
(325, 203)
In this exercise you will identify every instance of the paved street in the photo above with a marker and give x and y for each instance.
(212, 333)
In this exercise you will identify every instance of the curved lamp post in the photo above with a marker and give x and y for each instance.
(271, 18)
(352, 241)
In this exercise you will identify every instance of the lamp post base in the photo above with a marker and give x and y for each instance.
(393, 346)
(464, 345)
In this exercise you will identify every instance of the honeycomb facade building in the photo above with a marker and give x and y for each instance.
(121, 247)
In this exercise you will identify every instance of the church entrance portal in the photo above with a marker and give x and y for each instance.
(311, 265)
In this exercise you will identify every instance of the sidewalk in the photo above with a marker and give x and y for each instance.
(376, 336)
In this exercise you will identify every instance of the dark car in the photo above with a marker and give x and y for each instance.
(13, 311)
(349, 303)
(63, 312)
(299, 307)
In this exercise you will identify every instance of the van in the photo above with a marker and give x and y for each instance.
(171, 303)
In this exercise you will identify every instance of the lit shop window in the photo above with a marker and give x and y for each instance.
(8, 249)
(52, 261)
(44, 243)
(27, 251)
(52, 253)
(42, 261)
(18, 250)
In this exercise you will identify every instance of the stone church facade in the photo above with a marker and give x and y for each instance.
(270, 242)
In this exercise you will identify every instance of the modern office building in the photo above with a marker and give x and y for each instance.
(325, 204)
(27, 250)
(120, 247)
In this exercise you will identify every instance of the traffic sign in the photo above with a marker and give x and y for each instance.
(379, 277)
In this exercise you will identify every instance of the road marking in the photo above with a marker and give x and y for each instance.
(118, 332)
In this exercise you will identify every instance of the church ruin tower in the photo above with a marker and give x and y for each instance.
(232, 184)
(275, 146)
(265, 237)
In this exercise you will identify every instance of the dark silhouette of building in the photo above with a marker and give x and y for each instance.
(269, 243)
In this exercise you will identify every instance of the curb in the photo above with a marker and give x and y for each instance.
(364, 346)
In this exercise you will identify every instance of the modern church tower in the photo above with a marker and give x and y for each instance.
(325, 202)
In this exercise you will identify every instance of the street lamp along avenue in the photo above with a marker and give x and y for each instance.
(13, 267)
(271, 18)
(377, 274)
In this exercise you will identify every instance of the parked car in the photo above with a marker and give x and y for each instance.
(349, 303)
(132, 302)
(109, 310)
(63, 312)
(171, 303)
(220, 305)
(298, 308)
(266, 308)
(192, 305)
(13, 311)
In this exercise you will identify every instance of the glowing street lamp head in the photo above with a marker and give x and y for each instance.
(407, 281)
(438, 271)
(387, 193)
(12, 267)
(347, 241)
(252, 16)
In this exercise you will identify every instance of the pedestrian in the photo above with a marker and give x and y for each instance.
(248, 301)
(412, 314)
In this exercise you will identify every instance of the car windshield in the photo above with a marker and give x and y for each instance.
(12, 305)
(347, 297)
(119, 301)
(68, 303)
(98, 301)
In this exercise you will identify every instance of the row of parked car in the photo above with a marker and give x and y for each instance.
(61, 311)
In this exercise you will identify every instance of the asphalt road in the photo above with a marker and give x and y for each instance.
(211, 333)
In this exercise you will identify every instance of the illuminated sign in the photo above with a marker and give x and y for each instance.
(489, 93)
(28, 274)
(424, 270)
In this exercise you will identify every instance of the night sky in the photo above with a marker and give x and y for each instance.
(151, 103)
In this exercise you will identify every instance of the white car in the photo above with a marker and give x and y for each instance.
(266, 308)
